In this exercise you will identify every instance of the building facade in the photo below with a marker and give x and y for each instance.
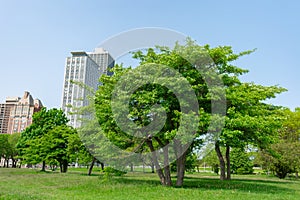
(82, 68)
(16, 113)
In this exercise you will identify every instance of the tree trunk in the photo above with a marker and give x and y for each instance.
(228, 162)
(102, 165)
(180, 163)
(152, 167)
(180, 152)
(155, 160)
(91, 166)
(167, 170)
(131, 167)
(43, 166)
(65, 166)
(297, 175)
(222, 162)
(14, 163)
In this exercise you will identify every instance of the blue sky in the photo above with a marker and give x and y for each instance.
(37, 36)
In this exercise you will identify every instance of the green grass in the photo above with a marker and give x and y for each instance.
(32, 184)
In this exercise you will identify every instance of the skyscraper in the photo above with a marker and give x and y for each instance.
(83, 67)
(16, 113)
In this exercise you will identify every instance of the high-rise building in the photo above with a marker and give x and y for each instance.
(16, 113)
(84, 68)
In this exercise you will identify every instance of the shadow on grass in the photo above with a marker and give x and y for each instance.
(252, 186)
(278, 181)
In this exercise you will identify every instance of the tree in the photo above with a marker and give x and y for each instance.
(13, 152)
(240, 162)
(30, 148)
(60, 143)
(4, 146)
(8, 148)
(211, 159)
(157, 99)
(283, 157)
(248, 119)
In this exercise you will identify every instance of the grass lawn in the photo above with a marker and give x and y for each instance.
(32, 184)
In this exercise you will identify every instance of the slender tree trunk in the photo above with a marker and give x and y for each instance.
(65, 166)
(297, 175)
(102, 165)
(180, 169)
(152, 167)
(222, 162)
(43, 166)
(228, 163)
(155, 160)
(14, 163)
(167, 170)
(7, 163)
(181, 152)
(131, 167)
(91, 166)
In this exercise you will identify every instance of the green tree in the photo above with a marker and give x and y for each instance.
(4, 147)
(29, 146)
(8, 148)
(211, 159)
(283, 157)
(240, 162)
(60, 143)
(151, 100)
(248, 119)
(13, 151)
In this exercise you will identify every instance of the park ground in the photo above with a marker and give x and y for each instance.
(25, 184)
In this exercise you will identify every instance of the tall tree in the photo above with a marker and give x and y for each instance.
(4, 148)
(248, 121)
(192, 63)
(31, 150)
(283, 157)
(60, 144)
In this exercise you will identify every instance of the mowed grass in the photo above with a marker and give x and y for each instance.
(32, 184)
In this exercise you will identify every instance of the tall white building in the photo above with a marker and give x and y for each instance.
(86, 68)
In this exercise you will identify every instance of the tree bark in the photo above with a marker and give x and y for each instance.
(167, 170)
(181, 152)
(155, 161)
(222, 162)
(65, 166)
(297, 175)
(180, 169)
(91, 166)
(228, 162)
(131, 167)
(102, 165)
(152, 167)
(43, 166)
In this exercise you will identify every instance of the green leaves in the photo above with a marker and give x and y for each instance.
(33, 140)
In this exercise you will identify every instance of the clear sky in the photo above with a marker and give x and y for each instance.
(36, 37)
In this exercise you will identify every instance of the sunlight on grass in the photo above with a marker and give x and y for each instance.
(32, 184)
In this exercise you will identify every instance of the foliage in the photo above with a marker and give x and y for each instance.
(248, 120)
(283, 157)
(240, 162)
(61, 144)
(155, 100)
(30, 146)
(8, 149)
(211, 159)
